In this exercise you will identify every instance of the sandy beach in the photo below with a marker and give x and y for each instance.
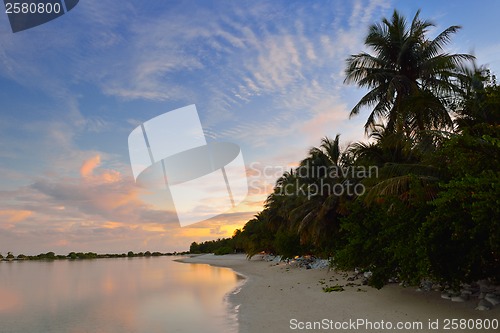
(280, 298)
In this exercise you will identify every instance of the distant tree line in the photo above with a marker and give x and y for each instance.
(220, 246)
(86, 255)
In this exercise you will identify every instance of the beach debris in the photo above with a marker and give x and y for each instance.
(306, 262)
(271, 258)
(484, 305)
(393, 280)
(437, 287)
(336, 288)
(445, 295)
(456, 296)
(426, 285)
(492, 298)
(487, 293)
(461, 298)
(485, 286)
(320, 264)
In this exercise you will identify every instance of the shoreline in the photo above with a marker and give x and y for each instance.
(273, 295)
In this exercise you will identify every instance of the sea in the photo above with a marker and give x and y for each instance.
(116, 295)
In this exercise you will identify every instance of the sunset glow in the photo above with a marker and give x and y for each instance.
(267, 76)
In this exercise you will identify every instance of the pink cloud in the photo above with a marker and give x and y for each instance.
(106, 176)
(89, 165)
(13, 216)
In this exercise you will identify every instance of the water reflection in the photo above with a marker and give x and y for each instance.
(114, 295)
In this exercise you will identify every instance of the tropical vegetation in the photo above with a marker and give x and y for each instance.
(431, 207)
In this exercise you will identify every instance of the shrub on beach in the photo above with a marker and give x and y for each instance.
(287, 244)
(223, 250)
(384, 239)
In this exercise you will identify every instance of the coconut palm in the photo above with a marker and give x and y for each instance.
(400, 163)
(256, 235)
(279, 204)
(316, 218)
(384, 147)
(409, 77)
(480, 103)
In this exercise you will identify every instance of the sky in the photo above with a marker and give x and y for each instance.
(265, 75)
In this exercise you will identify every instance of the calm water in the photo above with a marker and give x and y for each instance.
(145, 295)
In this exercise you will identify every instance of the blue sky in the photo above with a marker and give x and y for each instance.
(267, 75)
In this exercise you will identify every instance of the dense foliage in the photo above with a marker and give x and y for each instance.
(219, 247)
(421, 199)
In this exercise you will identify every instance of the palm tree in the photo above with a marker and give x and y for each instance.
(279, 204)
(409, 77)
(481, 98)
(401, 162)
(316, 217)
(384, 147)
(256, 235)
(303, 202)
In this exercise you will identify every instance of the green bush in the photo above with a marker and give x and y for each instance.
(384, 238)
(287, 244)
(223, 250)
(462, 234)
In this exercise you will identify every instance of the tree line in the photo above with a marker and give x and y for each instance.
(220, 246)
(432, 209)
(85, 255)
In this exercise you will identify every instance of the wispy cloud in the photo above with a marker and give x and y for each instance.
(263, 74)
(13, 216)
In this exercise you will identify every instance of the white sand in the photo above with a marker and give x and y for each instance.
(273, 295)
